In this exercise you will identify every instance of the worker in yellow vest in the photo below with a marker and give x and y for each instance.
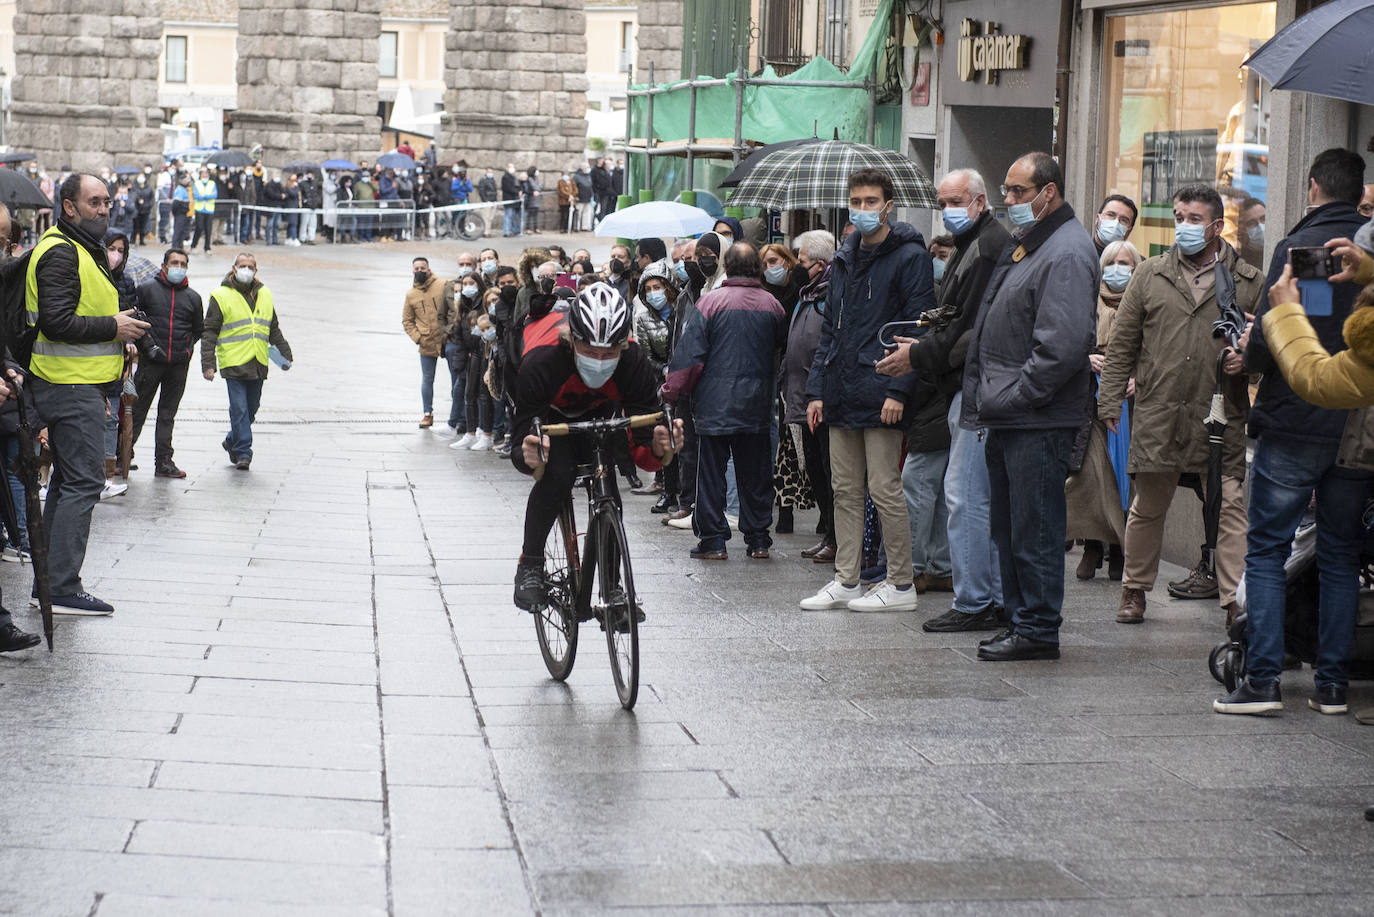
(203, 196)
(241, 331)
(82, 338)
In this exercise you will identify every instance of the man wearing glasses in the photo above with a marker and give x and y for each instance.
(1027, 381)
(80, 348)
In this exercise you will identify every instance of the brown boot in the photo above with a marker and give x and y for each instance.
(1092, 560)
(1132, 610)
(1232, 609)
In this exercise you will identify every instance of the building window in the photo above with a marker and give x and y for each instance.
(837, 32)
(1179, 109)
(626, 57)
(782, 35)
(176, 58)
(386, 55)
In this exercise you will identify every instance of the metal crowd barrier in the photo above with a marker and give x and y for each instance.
(368, 219)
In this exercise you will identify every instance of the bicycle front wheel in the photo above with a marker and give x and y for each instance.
(555, 623)
(616, 604)
(470, 225)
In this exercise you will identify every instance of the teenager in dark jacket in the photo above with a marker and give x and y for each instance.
(145, 197)
(177, 319)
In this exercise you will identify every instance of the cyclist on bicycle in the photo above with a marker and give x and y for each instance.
(593, 373)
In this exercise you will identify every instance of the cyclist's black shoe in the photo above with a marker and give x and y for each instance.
(531, 592)
(616, 610)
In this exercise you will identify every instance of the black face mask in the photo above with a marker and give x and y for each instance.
(96, 229)
(421, 277)
(508, 294)
(694, 273)
(801, 276)
(617, 266)
(708, 265)
(546, 285)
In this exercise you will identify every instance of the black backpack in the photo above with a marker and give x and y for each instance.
(16, 335)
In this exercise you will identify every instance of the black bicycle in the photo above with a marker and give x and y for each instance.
(593, 581)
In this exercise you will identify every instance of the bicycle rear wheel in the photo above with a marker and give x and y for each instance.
(469, 225)
(555, 624)
(616, 604)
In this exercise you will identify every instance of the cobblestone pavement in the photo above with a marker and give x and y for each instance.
(315, 698)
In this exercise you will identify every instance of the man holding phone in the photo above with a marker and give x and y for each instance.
(1296, 454)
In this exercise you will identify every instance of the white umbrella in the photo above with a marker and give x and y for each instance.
(656, 219)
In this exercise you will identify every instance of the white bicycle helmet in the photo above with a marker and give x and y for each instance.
(600, 316)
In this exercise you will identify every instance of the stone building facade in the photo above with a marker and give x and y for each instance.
(517, 84)
(307, 79)
(659, 40)
(85, 87)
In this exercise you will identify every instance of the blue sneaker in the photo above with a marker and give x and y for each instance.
(80, 603)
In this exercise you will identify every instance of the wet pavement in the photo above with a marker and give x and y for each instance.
(315, 698)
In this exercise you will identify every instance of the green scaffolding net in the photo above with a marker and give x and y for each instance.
(770, 113)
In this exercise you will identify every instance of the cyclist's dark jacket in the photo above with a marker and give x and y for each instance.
(549, 388)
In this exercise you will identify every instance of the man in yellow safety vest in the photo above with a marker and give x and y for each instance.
(204, 193)
(240, 331)
(82, 336)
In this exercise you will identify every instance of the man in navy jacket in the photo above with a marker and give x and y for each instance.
(882, 274)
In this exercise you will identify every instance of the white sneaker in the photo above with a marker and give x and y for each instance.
(833, 594)
(466, 440)
(113, 490)
(13, 555)
(684, 523)
(482, 443)
(886, 597)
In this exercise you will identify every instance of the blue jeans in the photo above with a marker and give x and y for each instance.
(273, 225)
(293, 225)
(244, 397)
(922, 481)
(427, 367)
(512, 220)
(1026, 472)
(1285, 472)
(973, 555)
(245, 227)
(17, 493)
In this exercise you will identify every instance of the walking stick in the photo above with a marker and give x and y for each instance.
(127, 396)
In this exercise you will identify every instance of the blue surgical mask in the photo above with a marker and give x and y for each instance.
(1255, 234)
(656, 298)
(866, 222)
(469, 292)
(775, 274)
(956, 219)
(176, 275)
(488, 267)
(1110, 230)
(476, 332)
(680, 269)
(491, 309)
(1023, 215)
(596, 373)
(938, 266)
(1116, 276)
(464, 270)
(489, 334)
(1190, 238)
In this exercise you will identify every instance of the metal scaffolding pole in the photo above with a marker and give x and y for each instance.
(629, 110)
(648, 135)
(740, 81)
(692, 126)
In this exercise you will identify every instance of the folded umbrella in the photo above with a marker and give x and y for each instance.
(656, 219)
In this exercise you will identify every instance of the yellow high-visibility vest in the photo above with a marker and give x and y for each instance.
(74, 364)
(244, 333)
(205, 193)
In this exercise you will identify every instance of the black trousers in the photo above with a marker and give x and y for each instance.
(549, 493)
(816, 451)
(687, 458)
(179, 223)
(168, 381)
(205, 225)
(753, 457)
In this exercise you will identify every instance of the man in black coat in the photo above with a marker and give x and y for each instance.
(938, 361)
(177, 319)
(601, 189)
(511, 190)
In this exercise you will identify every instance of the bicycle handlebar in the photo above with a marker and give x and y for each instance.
(603, 426)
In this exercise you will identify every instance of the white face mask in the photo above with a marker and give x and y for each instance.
(596, 373)
(244, 275)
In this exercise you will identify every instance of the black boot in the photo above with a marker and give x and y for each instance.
(1091, 561)
(784, 526)
(1116, 562)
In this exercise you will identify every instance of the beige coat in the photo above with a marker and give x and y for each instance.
(427, 315)
(1163, 338)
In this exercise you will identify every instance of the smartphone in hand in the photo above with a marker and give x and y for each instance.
(1312, 265)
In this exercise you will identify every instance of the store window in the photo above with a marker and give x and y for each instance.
(386, 55)
(176, 58)
(1179, 109)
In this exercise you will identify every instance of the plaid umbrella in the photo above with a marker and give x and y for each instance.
(815, 176)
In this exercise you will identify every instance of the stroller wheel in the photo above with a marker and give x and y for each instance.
(1215, 660)
(1233, 668)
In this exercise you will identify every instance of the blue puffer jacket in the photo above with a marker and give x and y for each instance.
(1278, 411)
(897, 285)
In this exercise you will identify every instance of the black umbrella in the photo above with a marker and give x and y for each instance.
(16, 157)
(232, 159)
(748, 164)
(301, 165)
(127, 170)
(1326, 52)
(17, 192)
(1229, 326)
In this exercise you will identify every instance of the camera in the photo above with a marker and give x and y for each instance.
(146, 344)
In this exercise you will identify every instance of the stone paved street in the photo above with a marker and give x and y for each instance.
(316, 698)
